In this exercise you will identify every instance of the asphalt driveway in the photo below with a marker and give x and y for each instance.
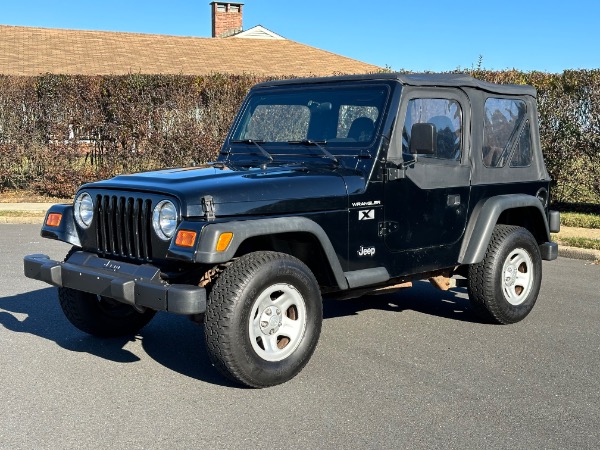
(415, 369)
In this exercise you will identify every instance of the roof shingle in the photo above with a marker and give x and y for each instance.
(34, 51)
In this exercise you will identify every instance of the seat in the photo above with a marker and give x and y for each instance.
(361, 129)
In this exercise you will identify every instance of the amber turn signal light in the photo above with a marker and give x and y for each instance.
(224, 241)
(53, 219)
(185, 238)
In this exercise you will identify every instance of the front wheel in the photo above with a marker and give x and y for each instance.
(263, 319)
(504, 286)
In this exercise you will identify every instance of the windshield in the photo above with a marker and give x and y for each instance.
(335, 116)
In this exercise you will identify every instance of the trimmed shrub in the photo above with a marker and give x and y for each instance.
(58, 131)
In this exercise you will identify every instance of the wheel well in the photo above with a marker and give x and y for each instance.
(526, 217)
(304, 246)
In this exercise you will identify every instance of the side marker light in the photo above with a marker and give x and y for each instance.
(53, 219)
(185, 238)
(224, 241)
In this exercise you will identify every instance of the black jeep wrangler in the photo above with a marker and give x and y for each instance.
(337, 186)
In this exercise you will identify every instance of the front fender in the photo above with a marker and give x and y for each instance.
(66, 230)
(204, 251)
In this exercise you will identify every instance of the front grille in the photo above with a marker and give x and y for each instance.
(124, 226)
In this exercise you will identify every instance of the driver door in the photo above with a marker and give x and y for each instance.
(426, 209)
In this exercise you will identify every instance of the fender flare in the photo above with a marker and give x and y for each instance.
(485, 216)
(66, 231)
(242, 230)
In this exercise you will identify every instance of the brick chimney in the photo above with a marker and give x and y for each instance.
(226, 18)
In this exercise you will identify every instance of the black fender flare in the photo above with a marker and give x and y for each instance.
(244, 229)
(485, 216)
(66, 231)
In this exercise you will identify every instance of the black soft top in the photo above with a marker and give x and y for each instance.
(425, 79)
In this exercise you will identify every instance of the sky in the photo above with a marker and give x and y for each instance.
(432, 35)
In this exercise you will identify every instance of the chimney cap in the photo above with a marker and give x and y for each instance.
(231, 3)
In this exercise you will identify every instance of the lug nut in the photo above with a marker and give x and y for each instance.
(264, 324)
(268, 312)
(278, 311)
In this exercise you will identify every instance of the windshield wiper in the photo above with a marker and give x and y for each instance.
(257, 143)
(319, 146)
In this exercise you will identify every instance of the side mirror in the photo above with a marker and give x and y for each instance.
(423, 139)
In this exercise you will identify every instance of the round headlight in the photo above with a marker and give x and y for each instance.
(164, 219)
(84, 210)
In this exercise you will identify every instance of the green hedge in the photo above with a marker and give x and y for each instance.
(59, 131)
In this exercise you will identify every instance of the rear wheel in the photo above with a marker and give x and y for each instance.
(101, 316)
(263, 319)
(505, 285)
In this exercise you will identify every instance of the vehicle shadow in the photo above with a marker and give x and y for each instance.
(173, 341)
(44, 318)
(422, 298)
(178, 344)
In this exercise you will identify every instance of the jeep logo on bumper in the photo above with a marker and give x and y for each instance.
(112, 266)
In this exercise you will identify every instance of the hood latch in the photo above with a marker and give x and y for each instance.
(208, 207)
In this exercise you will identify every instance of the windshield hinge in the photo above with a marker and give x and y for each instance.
(396, 173)
(387, 227)
(208, 207)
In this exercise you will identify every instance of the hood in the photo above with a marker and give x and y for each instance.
(240, 191)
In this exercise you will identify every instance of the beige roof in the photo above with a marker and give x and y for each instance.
(34, 51)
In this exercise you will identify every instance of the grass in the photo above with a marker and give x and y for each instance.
(28, 196)
(580, 220)
(579, 242)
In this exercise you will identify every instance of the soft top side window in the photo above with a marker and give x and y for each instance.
(522, 155)
(446, 116)
(502, 120)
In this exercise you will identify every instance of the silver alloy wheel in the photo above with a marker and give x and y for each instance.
(277, 322)
(517, 276)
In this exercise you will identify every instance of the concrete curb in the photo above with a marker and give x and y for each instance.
(26, 207)
(578, 253)
(24, 213)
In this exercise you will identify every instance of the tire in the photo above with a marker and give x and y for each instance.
(101, 316)
(504, 287)
(263, 319)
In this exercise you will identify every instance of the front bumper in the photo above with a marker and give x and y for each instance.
(136, 285)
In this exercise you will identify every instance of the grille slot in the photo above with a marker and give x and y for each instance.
(123, 226)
